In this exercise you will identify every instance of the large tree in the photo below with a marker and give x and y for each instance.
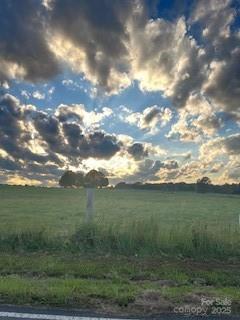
(68, 179)
(204, 180)
(79, 179)
(93, 179)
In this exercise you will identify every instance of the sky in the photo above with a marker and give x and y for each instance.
(142, 90)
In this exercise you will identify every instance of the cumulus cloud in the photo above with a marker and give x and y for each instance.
(146, 171)
(197, 121)
(149, 170)
(40, 144)
(215, 19)
(37, 37)
(138, 151)
(222, 146)
(224, 81)
(38, 95)
(31, 136)
(113, 43)
(15, 128)
(96, 42)
(4, 84)
(79, 113)
(151, 119)
(166, 59)
(232, 172)
(194, 129)
(24, 51)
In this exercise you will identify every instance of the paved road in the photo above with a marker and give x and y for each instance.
(29, 313)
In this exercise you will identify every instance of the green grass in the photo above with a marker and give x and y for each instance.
(48, 255)
(118, 268)
(60, 210)
(55, 291)
(126, 222)
(79, 281)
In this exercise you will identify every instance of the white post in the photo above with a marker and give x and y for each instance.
(89, 209)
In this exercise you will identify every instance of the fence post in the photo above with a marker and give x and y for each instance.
(89, 208)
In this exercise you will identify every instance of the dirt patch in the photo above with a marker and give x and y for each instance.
(150, 302)
(195, 298)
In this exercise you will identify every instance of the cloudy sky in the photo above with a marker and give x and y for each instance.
(142, 90)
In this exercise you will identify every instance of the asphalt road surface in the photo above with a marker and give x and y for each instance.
(29, 313)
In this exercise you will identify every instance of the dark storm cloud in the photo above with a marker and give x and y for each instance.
(198, 52)
(10, 114)
(73, 133)
(195, 76)
(9, 165)
(11, 131)
(22, 39)
(100, 145)
(222, 47)
(49, 169)
(138, 151)
(14, 134)
(97, 27)
(225, 87)
(49, 129)
(95, 144)
(22, 126)
(108, 32)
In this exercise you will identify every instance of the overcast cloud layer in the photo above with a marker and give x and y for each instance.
(189, 55)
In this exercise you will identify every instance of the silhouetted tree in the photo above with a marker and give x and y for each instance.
(202, 184)
(68, 179)
(121, 185)
(103, 181)
(93, 179)
(204, 180)
(79, 179)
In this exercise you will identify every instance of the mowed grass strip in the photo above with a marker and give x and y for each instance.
(119, 284)
(64, 292)
(121, 268)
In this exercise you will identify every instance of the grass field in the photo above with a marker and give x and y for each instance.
(146, 251)
(140, 222)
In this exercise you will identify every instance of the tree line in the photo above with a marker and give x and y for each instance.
(97, 179)
(203, 185)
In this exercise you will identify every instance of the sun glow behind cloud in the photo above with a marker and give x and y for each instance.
(78, 91)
